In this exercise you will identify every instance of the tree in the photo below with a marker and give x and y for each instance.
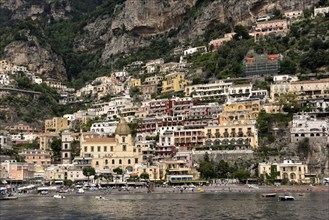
(56, 148)
(88, 171)
(241, 32)
(118, 171)
(303, 147)
(241, 174)
(288, 66)
(145, 176)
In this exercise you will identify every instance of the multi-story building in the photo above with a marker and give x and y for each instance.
(217, 90)
(307, 126)
(109, 153)
(215, 44)
(18, 171)
(174, 82)
(262, 65)
(104, 128)
(201, 49)
(149, 89)
(178, 171)
(240, 136)
(310, 88)
(45, 140)
(5, 140)
(240, 91)
(19, 128)
(240, 112)
(291, 170)
(56, 124)
(293, 14)
(270, 27)
(157, 79)
(321, 11)
(64, 172)
(39, 157)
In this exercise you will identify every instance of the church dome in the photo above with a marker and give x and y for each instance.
(122, 128)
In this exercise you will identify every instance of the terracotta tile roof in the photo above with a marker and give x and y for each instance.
(107, 140)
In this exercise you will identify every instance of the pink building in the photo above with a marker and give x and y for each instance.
(18, 171)
(217, 43)
(269, 27)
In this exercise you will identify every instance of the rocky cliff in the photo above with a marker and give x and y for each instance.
(118, 27)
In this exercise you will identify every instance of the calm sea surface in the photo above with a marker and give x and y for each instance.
(169, 206)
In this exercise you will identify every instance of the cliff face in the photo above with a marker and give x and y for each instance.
(135, 20)
(125, 26)
(40, 59)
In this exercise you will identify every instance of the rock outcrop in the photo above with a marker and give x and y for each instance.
(37, 58)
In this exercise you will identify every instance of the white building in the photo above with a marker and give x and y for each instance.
(285, 78)
(219, 89)
(64, 171)
(104, 128)
(202, 49)
(307, 126)
(291, 170)
(321, 11)
(5, 140)
(4, 79)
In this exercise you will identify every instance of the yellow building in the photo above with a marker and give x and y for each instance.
(240, 136)
(240, 112)
(293, 171)
(152, 171)
(237, 126)
(109, 153)
(135, 82)
(56, 124)
(45, 140)
(177, 170)
(174, 82)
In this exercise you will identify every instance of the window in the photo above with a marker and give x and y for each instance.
(123, 139)
(136, 160)
(65, 155)
(106, 161)
(85, 148)
(129, 161)
(97, 163)
(92, 149)
(65, 146)
(105, 148)
(111, 148)
(113, 162)
(124, 148)
(120, 161)
(98, 148)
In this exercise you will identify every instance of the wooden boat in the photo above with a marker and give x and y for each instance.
(286, 198)
(8, 198)
(269, 195)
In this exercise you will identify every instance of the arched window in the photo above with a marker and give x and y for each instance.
(113, 162)
(129, 161)
(65, 155)
(106, 161)
(120, 161)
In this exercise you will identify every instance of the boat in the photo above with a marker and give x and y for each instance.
(8, 197)
(286, 198)
(57, 196)
(201, 190)
(269, 195)
(100, 198)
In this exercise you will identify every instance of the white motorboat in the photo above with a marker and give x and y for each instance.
(57, 196)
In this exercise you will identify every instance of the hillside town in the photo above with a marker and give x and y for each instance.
(150, 122)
